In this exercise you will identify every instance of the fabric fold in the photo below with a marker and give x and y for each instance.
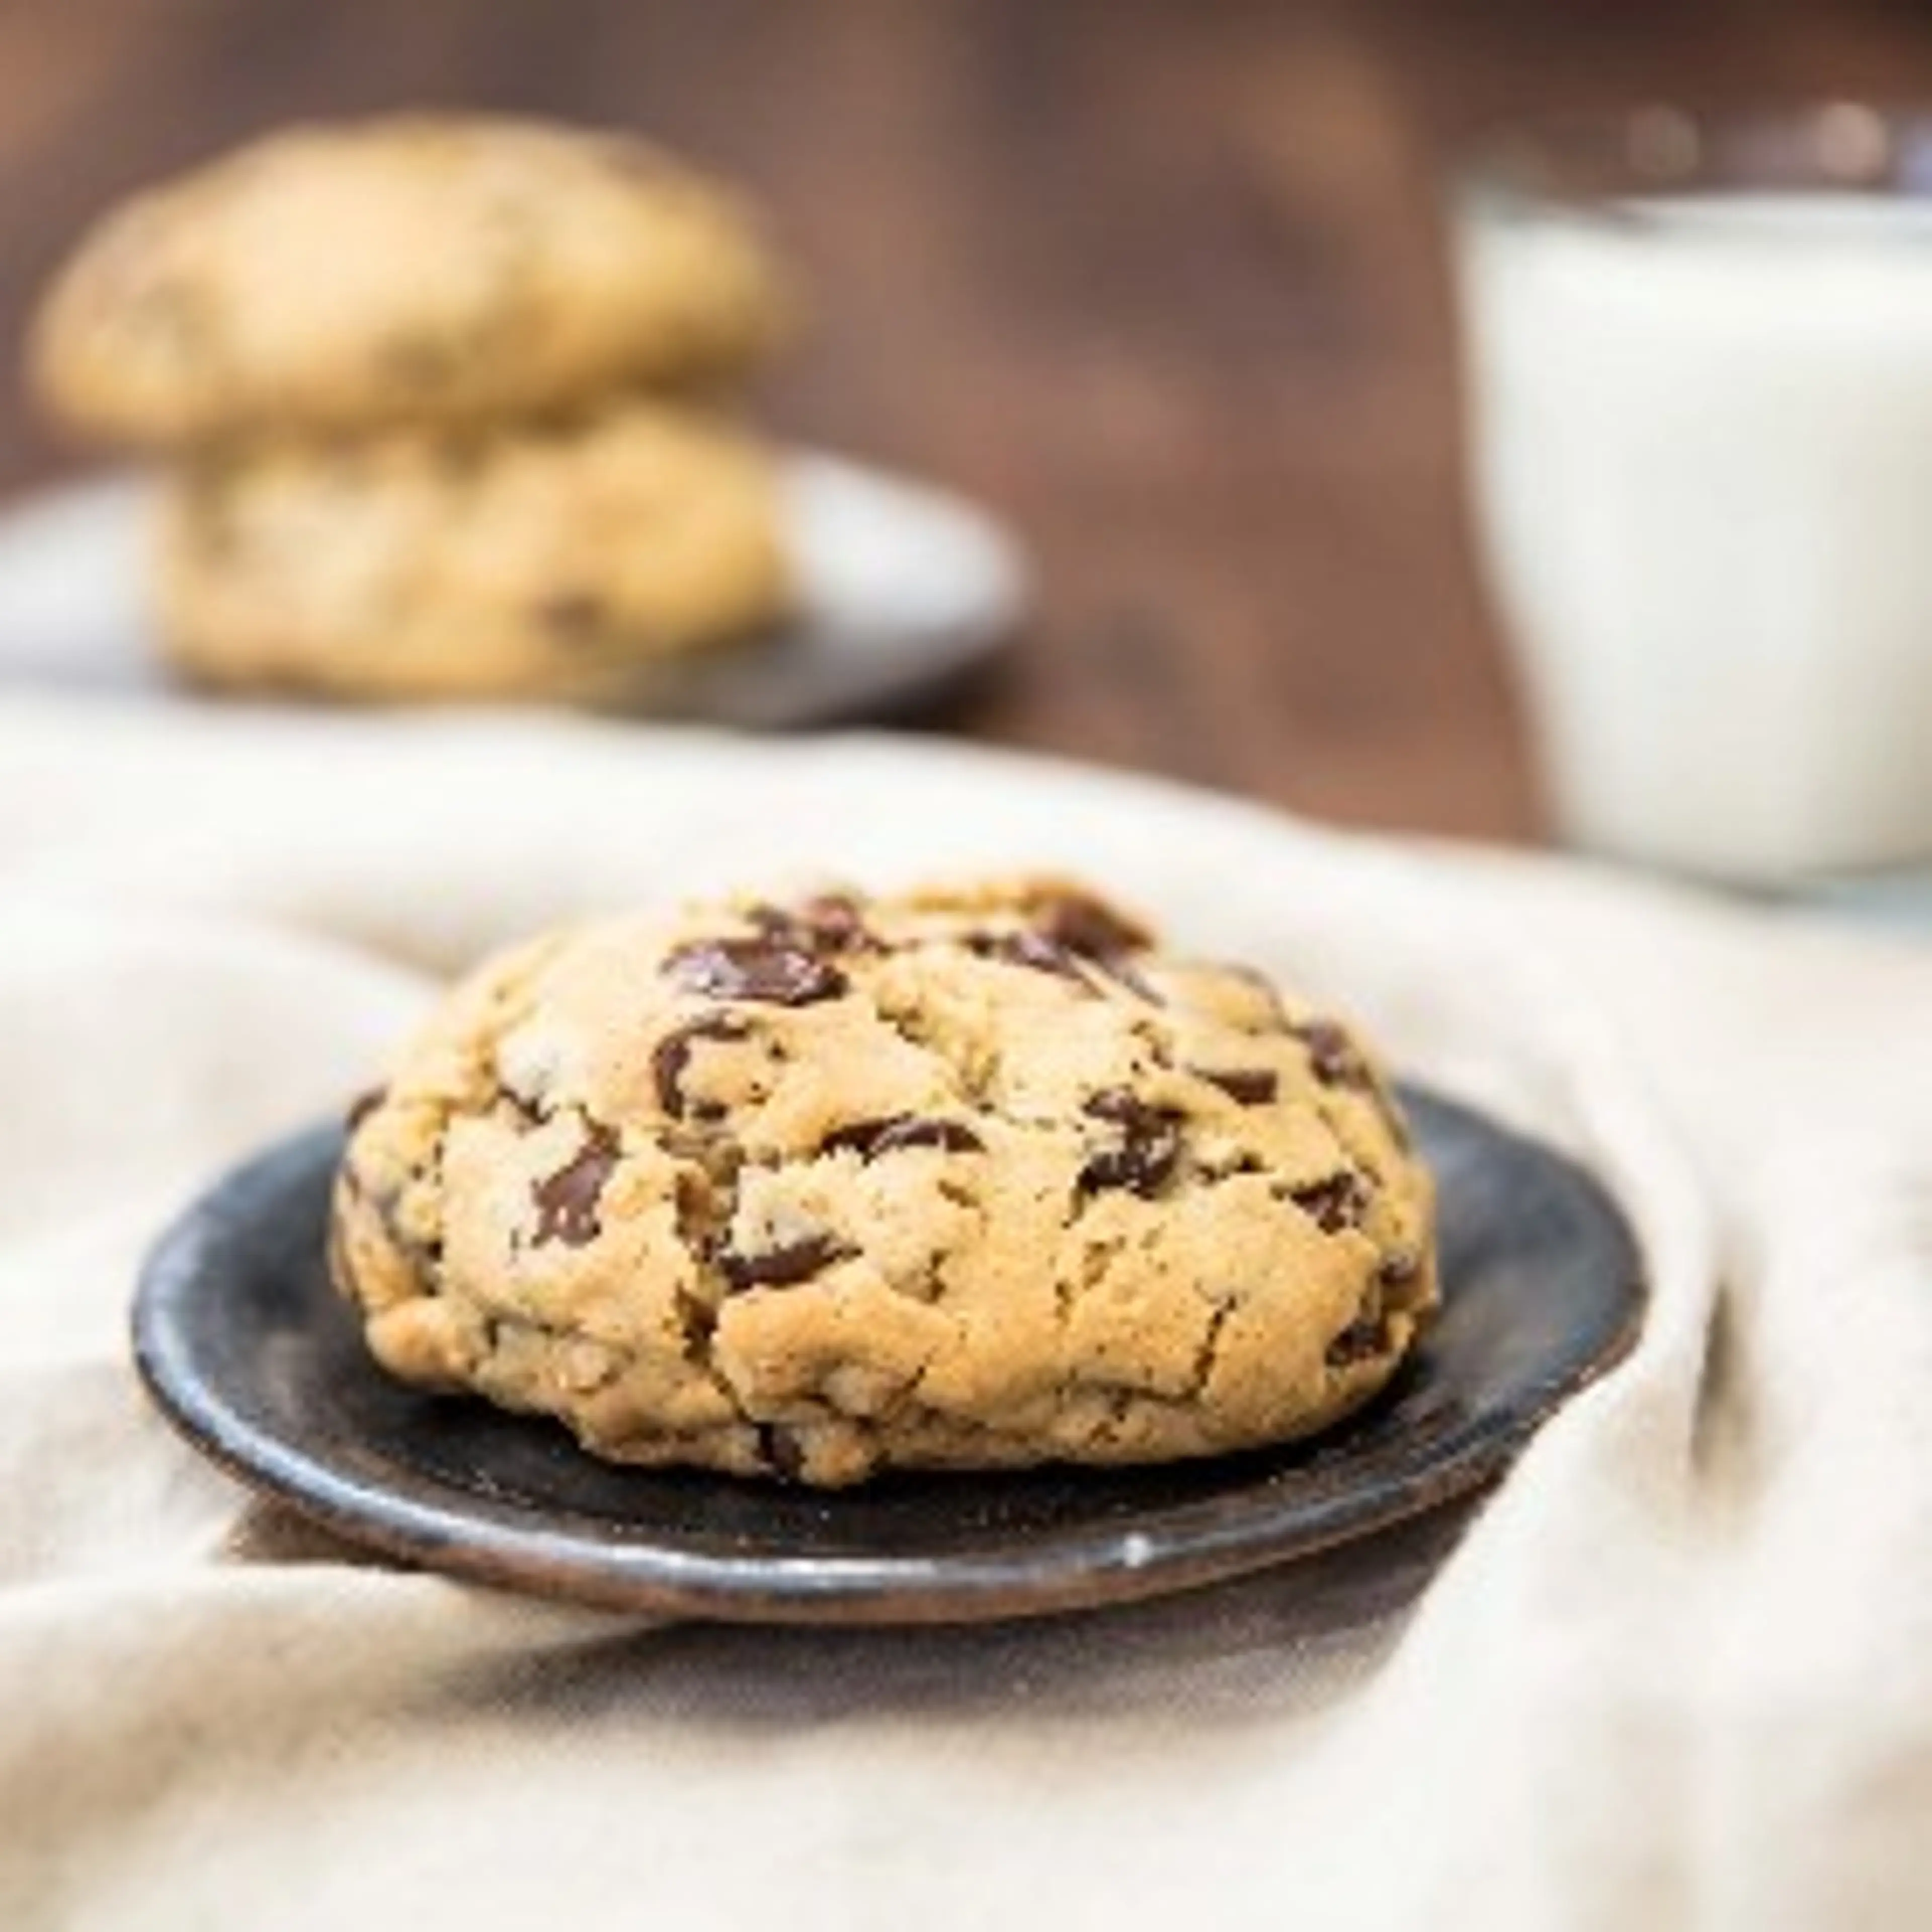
(1677, 1671)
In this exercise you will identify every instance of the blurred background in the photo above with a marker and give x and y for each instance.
(1163, 281)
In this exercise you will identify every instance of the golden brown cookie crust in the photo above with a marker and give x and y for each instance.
(552, 561)
(416, 271)
(963, 1178)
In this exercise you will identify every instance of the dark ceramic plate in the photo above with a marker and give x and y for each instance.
(249, 1352)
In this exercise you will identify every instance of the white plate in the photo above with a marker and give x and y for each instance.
(904, 590)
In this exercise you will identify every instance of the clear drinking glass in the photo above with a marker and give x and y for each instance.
(1699, 362)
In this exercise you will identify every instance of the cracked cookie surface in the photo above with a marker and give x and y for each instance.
(409, 271)
(969, 1177)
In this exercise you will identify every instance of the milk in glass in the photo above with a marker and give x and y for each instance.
(1702, 436)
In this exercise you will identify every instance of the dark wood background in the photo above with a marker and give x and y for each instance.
(1160, 279)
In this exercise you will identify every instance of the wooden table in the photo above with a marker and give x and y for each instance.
(1161, 281)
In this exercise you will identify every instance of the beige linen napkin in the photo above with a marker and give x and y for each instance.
(1678, 1673)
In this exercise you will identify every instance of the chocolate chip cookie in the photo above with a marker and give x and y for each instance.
(419, 270)
(551, 561)
(964, 1178)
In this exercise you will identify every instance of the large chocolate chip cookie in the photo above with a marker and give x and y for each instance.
(963, 1178)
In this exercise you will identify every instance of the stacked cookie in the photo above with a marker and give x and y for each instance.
(444, 399)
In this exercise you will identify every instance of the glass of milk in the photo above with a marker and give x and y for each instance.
(1699, 369)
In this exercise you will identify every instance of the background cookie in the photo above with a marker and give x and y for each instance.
(419, 269)
(549, 561)
(968, 1178)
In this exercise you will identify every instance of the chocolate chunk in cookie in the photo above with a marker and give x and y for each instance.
(1249, 1087)
(770, 970)
(870, 1138)
(1090, 928)
(567, 1201)
(1148, 1147)
(1339, 1201)
(1333, 1055)
(784, 1266)
(672, 1055)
